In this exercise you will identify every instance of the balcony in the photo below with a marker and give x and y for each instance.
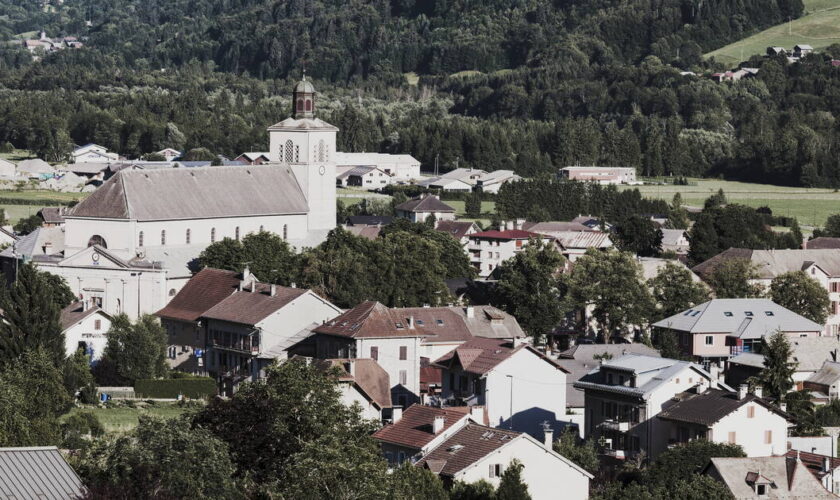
(617, 454)
(239, 347)
(615, 425)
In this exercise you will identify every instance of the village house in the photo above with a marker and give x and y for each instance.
(361, 382)
(600, 175)
(489, 249)
(823, 243)
(477, 452)
(825, 468)
(573, 238)
(413, 432)
(7, 168)
(675, 240)
(823, 265)
(52, 216)
(368, 177)
(460, 230)
(402, 168)
(716, 330)
(92, 153)
(808, 354)
(623, 396)
(170, 154)
(766, 477)
(447, 184)
(825, 383)
(519, 387)
(491, 182)
(741, 418)
(425, 206)
(85, 326)
(253, 158)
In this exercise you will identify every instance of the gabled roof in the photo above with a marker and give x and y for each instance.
(823, 243)
(425, 203)
(828, 374)
(249, 308)
(466, 447)
(203, 291)
(369, 220)
(370, 378)
(303, 124)
(711, 406)
(38, 472)
(790, 477)
(744, 318)
(814, 462)
(771, 263)
(76, 312)
(415, 428)
(583, 239)
(481, 355)
(509, 234)
(53, 215)
(195, 193)
(254, 155)
(369, 232)
(553, 227)
(455, 228)
(809, 353)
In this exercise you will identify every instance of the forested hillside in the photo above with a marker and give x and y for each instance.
(526, 85)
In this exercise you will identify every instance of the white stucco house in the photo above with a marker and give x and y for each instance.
(420, 208)
(477, 452)
(85, 326)
(402, 168)
(489, 249)
(92, 153)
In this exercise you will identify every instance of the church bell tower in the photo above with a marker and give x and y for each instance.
(303, 100)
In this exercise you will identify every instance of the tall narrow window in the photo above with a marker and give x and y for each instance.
(374, 353)
(237, 233)
(262, 228)
(321, 151)
(403, 352)
(285, 231)
(140, 239)
(163, 237)
(297, 154)
(187, 237)
(213, 235)
(289, 151)
(280, 153)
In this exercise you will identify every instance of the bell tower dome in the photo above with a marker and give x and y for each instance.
(303, 100)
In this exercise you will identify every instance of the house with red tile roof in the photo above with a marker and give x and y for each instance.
(415, 431)
(402, 340)
(825, 468)
(477, 452)
(519, 386)
(489, 249)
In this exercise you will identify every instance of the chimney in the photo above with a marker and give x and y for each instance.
(246, 273)
(273, 289)
(253, 285)
(470, 312)
(758, 391)
(85, 305)
(396, 414)
(783, 407)
(437, 426)
(509, 225)
(477, 414)
(700, 389)
(548, 440)
(293, 285)
(742, 391)
(826, 464)
(410, 321)
(520, 223)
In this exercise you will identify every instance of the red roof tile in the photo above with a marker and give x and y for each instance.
(414, 429)
(249, 308)
(510, 234)
(371, 379)
(374, 320)
(481, 355)
(814, 462)
(203, 291)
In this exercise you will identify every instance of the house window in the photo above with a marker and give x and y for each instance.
(297, 154)
(98, 241)
(374, 353)
(732, 437)
(403, 377)
(761, 489)
(621, 380)
(213, 235)
(710, 340)
(403, 353)
(140, 239)
(609, 378)
(309, 105)
(289, 151)
(496, 470)
(768, 437)
(97, 325)
(285, 231)
(321, 151)
(751, 412)
(163, 237)
(262, 228)
(187, 237)
(236, 232)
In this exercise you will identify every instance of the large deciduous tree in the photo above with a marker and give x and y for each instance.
(730, 279)
(135, 350)
(639, 235)
(675, 290)
(801, 294)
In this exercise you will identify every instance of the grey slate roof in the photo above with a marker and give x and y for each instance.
(37, 473)
(744, 318)
(828, 374)
(772, 263)
(748, 359)
(195, 193)
(789, 477)
(425, 203)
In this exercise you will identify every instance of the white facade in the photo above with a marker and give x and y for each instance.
(404, 373)
(758, 430)
(600, 175)
(401, 167)
(92, 153)
(547, 474)
(486, 254)
(90, 332)
(351, 395)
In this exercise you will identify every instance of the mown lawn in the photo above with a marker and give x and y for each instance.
(124, 419)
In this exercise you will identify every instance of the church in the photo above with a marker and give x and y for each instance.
(129, 246)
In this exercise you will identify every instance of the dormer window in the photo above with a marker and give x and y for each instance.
(399, 326)
(439, 322)
(749, 314)
(728, 314)
(769, 313)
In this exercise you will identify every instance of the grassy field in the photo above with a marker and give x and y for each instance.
(124, 419)
(810, 206)
(819, 27)
(17, 155)
(35, 201)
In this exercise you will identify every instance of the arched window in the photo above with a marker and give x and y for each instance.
(322, 151)
(237, 233)
(187, 239)
(285, 231)
(140, 239)
(309, 104)
(289, 151)
(119, 306)
(98, 241)
(300, 105)
(163, 237)
(213, 235)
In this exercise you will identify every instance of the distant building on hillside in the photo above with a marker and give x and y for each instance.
(600, 175)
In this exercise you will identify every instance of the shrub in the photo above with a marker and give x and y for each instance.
(79, 428)
(199, 387)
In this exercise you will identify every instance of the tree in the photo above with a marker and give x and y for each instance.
(138, 350)
(688, 459)
(199, 154)
(530, 287)
(472, 205)
(78, 377)
(479, 490)
(674, 290)
(154, 157)
(452, 254)
(414, 274)
(716, 200)
(31, 317)
(638, 235)
(269, 257)
(777, 375)
(730, 279)
(227, 254)
(678, 216)
(160, 458)
(666, 342)
(583, 453)
(832, 226)
(62, 296)
(511, 486)
(408, 482)
(801, 294)
(611, 283)
(266, 424)
(28, 224)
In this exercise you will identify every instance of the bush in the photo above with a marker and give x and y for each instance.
(198, 387)
(79, 428)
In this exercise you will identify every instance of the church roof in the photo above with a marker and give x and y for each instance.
(302, 124)
(305, 86)
(195, 193)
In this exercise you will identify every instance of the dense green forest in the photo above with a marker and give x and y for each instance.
(524, 85)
